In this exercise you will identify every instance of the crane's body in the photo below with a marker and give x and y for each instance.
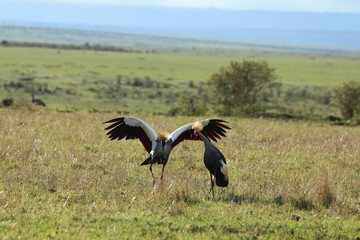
(159, 155)
(215, 162)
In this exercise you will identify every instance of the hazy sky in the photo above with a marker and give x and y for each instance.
(352, 6)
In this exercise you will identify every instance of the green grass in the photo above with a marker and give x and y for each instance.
(70, 74)
(67, 64)
(62, 178)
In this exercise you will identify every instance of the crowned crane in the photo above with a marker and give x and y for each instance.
(160, 146)
(36, 101)
(215, 162)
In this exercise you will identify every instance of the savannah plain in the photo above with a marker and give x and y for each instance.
(62, 178)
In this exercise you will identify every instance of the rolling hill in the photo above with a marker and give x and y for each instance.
(98, 37)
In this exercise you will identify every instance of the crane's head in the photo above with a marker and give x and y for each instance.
(196, 130)
(196, 135)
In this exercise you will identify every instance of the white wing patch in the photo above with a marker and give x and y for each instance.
(175, 134)
(224, 169)
(136, 122)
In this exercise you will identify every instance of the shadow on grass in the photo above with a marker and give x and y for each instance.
(299, 202)
(240, 198)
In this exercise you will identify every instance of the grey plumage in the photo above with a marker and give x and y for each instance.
(215, 162)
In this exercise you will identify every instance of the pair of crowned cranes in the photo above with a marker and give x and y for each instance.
(160, 146)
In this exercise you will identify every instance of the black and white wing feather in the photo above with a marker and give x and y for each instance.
(213, 129)
(132, 128)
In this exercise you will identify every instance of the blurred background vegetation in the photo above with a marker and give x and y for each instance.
(182, 81)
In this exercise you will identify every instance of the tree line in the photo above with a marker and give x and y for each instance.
(85, 46)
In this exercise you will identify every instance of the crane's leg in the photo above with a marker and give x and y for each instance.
(212, 186)
(162, 171)
(152, 174)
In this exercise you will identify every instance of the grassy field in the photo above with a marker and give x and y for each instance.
(77, 80)
(312, 68)
(62, 178)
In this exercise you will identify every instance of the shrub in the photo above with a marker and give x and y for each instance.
(237, 86)
(347, 98)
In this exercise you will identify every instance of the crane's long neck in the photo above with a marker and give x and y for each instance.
(167, 148)
(204, 139)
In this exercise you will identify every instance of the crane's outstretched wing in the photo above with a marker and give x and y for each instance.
(212, 128)
(132, 128)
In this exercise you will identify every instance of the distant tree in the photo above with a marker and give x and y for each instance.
(347, 98)
(237, 86)
(192, 84)
(118, 83)
(7, 102)
(4, 42)
(148, 82)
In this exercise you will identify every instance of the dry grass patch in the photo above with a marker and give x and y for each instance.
(62, 178)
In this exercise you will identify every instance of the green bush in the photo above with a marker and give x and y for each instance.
(237, 86)
(347, 98)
